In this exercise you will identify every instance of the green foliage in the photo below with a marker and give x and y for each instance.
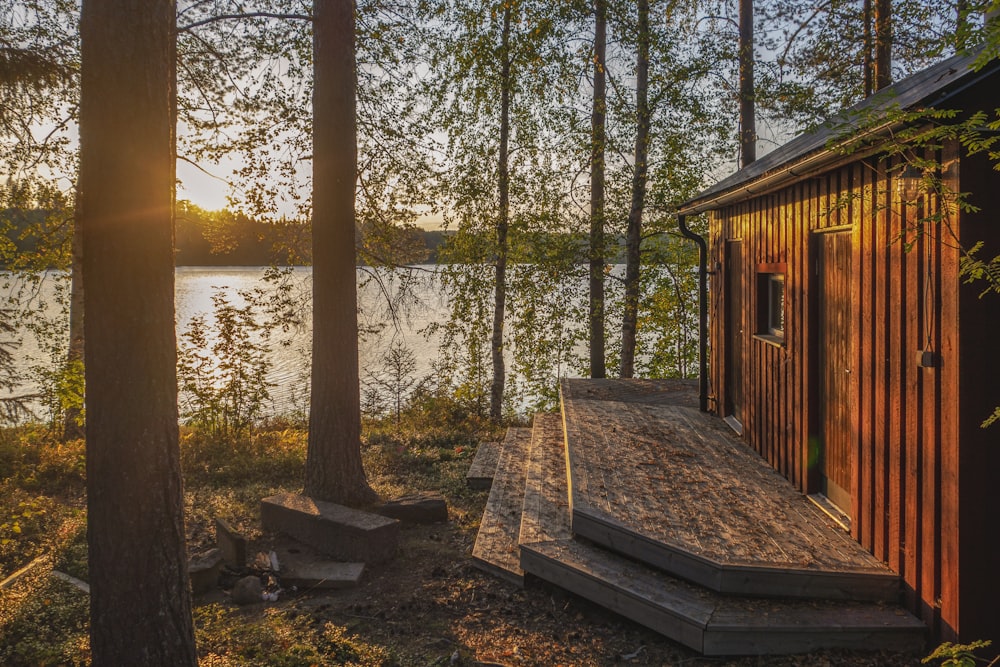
(222, 369)
(275, 455)
(278, 638)
(44, 621)
(389, 384)
(958, 655)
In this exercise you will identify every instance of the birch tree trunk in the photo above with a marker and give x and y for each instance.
(597, 147)
(748, 122)
(633, 236)
(503, 222)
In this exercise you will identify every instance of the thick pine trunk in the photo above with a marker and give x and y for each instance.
(503, 221)
(333, 461)
(633, 236)
(598, 141)
(748, 123)
(140, 603)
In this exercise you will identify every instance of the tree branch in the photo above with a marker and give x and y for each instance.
(249, 15)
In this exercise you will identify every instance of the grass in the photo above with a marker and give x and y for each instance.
(44, 620)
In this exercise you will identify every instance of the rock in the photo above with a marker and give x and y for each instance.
(248, 590)
(232, 544)
(417, 508)
(203, 570)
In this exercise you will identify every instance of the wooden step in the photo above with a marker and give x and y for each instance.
(495, 550)
(704, 620)
(484, 466)
(653, 478)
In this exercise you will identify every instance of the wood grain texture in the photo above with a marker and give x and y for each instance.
(495, 550)
(667, 484)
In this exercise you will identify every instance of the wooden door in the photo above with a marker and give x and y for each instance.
(735, 338)
(834, 366)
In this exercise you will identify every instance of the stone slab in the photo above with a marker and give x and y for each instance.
(307, 569)
(232, 545)
(203, 570)
(322, 575)
(340, 532)
(417, 508)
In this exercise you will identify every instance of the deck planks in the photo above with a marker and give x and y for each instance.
(706, 621)
(495, 550)
(656, 479)
(484, 466)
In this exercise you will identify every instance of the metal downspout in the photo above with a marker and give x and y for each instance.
(702, 310)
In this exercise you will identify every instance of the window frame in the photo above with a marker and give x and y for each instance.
(772, 303)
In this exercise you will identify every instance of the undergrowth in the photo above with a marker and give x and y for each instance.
(44, 620)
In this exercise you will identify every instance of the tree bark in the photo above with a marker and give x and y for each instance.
(73, 417)
(869, 48)
(883, 43)
(140, 603)
(333, 460)
(633, 235)
(748, 123)
(597, 146)
(503, 222)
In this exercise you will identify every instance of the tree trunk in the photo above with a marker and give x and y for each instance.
(503, 215)
(748, 123)
(73, 417)
(633, 236)
(962, 25)
(883, 43)
(869, 48)
(333, 460)
(140, 602)
(598, 140)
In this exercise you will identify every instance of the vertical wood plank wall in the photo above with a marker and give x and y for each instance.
(903, 427)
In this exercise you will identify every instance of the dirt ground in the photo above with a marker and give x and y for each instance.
(432, 606)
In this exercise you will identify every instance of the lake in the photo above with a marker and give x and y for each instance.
(381, 326)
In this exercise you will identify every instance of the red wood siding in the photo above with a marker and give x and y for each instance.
(903, 419)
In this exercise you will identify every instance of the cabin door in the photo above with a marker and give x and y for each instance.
(734, 335)
(834, 366)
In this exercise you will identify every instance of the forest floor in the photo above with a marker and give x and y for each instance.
(427, 606)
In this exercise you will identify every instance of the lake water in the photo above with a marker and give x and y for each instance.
(382, 326)
(386, 320)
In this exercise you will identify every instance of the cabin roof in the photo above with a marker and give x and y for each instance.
(809, 153)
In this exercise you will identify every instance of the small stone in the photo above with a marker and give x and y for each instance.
(203, 570)
(417, 508)
(248, 590)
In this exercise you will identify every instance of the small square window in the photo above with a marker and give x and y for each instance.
(771, 303)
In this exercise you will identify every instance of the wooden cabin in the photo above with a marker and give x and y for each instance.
(851, 353)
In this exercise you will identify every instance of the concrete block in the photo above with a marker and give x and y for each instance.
(232, 545)
(417, 508)
(340, 532)
(203, 570)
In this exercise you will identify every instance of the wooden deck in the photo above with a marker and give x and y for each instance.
(495, 550)
(720, 515)
(707, 621)
(713, 570)
(484, 466)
